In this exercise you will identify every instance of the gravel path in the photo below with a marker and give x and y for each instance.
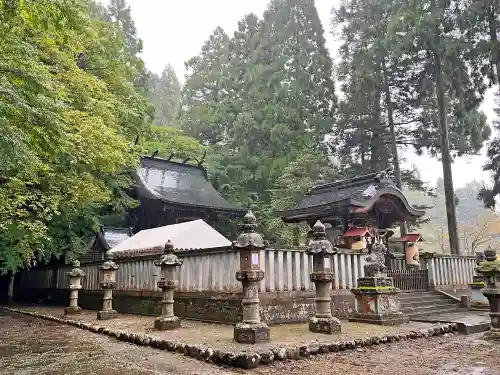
(219, 336)
(30, 346)
(444, 355)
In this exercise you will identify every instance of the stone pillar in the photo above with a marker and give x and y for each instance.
(107, 283)
(321, 250)
(477, 299)
(250, 330)
(490, 270)
(75, 284)
(168, 283)
(376, 297)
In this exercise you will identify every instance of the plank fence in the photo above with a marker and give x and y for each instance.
(286, 270)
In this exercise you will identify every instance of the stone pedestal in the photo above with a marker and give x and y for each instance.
(75, 284)
(477, 299)
(377, 302)
(250, 330)
(107, 283)
(107, 311)
(168, 263)
(322, 276)
(167, 320)
(376, 297)
(490, 270)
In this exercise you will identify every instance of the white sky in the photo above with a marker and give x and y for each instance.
(174, 31)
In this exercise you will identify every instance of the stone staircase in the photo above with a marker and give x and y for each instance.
(426, 305)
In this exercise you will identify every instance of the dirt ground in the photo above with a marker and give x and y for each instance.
(30, 346)
(219, 336)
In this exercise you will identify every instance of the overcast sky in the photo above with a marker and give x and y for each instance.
(174, 30)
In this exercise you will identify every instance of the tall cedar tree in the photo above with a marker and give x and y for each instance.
(481, 20)
(164, 93)
(262, 98)
(444, 73)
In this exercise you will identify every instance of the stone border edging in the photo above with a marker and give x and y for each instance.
(244, 359)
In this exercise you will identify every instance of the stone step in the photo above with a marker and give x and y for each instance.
(424, 298)
(426, 308)
(427, 301)
(411, 295)
(434, 311)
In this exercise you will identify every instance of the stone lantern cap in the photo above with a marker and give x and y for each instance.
(491, 265)
(76, 271)
(320, 244)
(168, 259)
(109, 265)
(480, 258)
(249, 239)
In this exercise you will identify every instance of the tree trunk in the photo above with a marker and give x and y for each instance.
(376, 141)
(394, 146)
(10, 289)
(493, 29)
(446, 159)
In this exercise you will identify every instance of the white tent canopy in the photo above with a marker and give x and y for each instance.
(190, 235)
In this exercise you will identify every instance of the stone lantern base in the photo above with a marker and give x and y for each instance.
(106, 314)
(251, 333)
(324, 325)
(167, 323)
(377, 302)
(477, 300)
(72, 310)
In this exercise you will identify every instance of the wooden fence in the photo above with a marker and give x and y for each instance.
(410, 280)
(285, 271)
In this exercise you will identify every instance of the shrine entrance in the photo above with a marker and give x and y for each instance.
(410, 280)
(358, 213)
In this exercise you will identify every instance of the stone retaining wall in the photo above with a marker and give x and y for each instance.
(276, 308)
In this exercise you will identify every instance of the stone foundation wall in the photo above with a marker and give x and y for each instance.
(276, 308)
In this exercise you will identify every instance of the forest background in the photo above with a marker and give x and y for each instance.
(273, 112)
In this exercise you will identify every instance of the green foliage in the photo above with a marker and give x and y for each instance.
(68, 113)
(171, 141)
(164, 93)
(378, 43)
(264, 99)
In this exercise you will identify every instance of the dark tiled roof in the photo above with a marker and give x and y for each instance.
(355, 192)
(179, 183)
(359, 192)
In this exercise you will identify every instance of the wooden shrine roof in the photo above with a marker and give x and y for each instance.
(180, 184)
(356, 194)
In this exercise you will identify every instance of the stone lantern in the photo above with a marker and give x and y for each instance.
(376, 296)
(477, 299)
(75, 284)
(169, 262)
(107, 283)
(490, 269)
(321, 250)
(250, 330)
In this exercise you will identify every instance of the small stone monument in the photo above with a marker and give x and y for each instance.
(376, 297)
(490, 269)
(168, 282)
(75, 284)
(477, 299)
(250, 330)
(107, 283)
(321, 250)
